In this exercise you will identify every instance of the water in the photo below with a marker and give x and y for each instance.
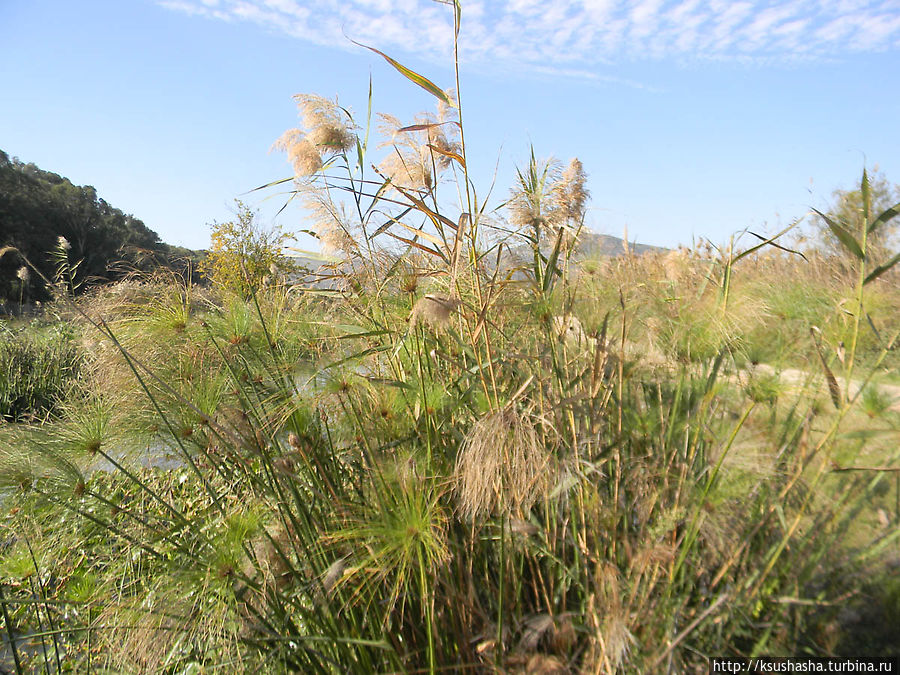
(29, 648)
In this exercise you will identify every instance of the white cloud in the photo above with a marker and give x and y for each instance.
(577, 35)
(584, 74)
(644, 18)
(288, 7)
(184, 6)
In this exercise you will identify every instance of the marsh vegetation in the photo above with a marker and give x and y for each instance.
(455, 445)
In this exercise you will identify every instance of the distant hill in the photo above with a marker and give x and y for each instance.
(37, 207)
(590, 245)
(593, 245)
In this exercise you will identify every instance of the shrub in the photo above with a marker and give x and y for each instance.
(243, 254)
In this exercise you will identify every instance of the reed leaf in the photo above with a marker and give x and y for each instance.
(881, 269)
(843, 235)
(412, 76)
(884, 217)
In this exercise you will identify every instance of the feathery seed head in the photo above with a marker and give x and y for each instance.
(570, 193)
(434, 310)
(569, 329)
(407, 171)
(448, 113)
(23, 275)
(302, 154)
(502, 464)
(548, 197)
(328, 222)
(409, 282)
(532, 199)
(304, 157)
(329, 131)
(330, 138)
(439, 148)
(333, 574)
(417, 155)
(617, 639)
(328, 126)
(609, 618)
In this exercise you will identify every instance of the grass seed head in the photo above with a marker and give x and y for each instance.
(304, 157)
(329, 131)
(409, 171)
(333, 574)
(329, 127)
(570, 193)
(328, 222)
(301, 152)
(569, 329)
(434, 310)
(448, 113)
(502, 465)
(617, 639)
(416, 156)
(532, 201)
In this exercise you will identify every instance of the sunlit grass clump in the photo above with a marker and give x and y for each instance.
(37, 369)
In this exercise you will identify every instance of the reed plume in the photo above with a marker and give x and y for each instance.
(502, 465)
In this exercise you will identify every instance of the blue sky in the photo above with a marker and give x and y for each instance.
(693, 118)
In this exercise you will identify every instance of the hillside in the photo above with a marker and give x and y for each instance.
(37, 207)
(593, 245)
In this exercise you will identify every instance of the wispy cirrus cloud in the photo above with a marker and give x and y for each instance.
(574, 35)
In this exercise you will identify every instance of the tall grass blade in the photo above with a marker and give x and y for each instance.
(412, 76)
(881, 269)
(313, 255)
(834, 389)
(843, 235)
(771, 241)
(419, 246)
(865, 192)
(280, 181)
(886, 216)
(551, 270)
(448, 153)
(419, 233)
(7, 622)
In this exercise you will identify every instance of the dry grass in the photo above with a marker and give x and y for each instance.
(504, 466)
